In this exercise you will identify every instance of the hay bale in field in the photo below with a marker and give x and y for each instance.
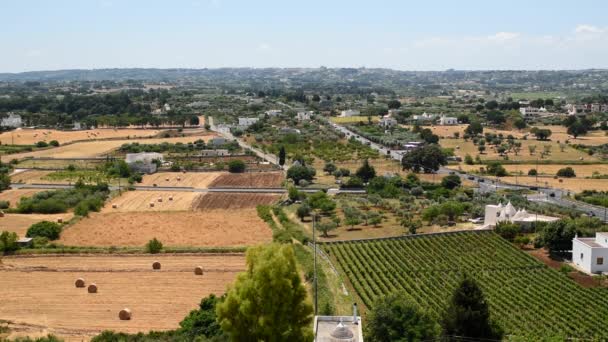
(151, 204)
(160, 199)
(79, 282)
(92, 288)
(124, 314)
(156, 265)
(198, 270)
(170, 198)
(114, 206)
(167, 179)
(60, 220)
(179, 178)
(1, 213)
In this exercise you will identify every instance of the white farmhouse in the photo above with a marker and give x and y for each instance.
(448, 120)
(12, 120)
(387, 121)
(305, 115)
(424, 117)
(273, 112)
(246, 122)
(530, 112)
(591, 254)
(144, 157)
(349, 113)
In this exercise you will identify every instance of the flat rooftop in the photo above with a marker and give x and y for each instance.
(326, 325)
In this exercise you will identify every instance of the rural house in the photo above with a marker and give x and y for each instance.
(349, 113)
(218, 141)
(495, 214)
(12, 120)
(448, 120)
(591, 254)
(387, 122)
(304, 116)
(144, 161)
(246, 122)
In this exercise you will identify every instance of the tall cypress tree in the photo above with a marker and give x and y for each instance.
(282, 156)
(468, 314)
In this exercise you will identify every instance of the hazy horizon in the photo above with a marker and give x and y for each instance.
(399, 35)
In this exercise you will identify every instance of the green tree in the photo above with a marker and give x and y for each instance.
(468, 314)
(329, 168)
(394, 104)
(49, 230)
(496, 169)
(326, 227)
(366, 171)
(451, 209)
(474, 128)
(154, 246)
(194, 120)
(8, 241)
(451, 182)
(303, 211)
(202, 322)
(566, 172)
(293, 194)
(267, 302)
(298, 172)
(282, 155)
(428, 158)
(557, 236)
(236, 166)
(394, 318)
(508, 230)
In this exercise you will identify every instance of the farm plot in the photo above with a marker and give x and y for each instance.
(211, 228)
(190, 179)
(19, 223)
(525, 297)
(90, 149)
(572, 184)
(584, 170)
(248, 180)
(231, 201)
(38, 293)
(32, 136)
(151, 201)
(14, 195)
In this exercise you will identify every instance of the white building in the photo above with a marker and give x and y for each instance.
(166, 107)
(349, 113)
(448, 120)
(144, 157)
(591, 254)
(12, 120)
(77, 126)
(305, 116)
(425, 117)
(246, 122)
(273, 112)
(530, 112)
(387, 122)
(508, 213)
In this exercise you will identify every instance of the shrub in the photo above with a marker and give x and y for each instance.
(566, 172)
(8, 241)
(154, 246)
(353, 182)
(451, 182)
(54, 143)
(508, 230)
(42, 144)
(236, 166)
(5, 204)
(49, 230)
(532, 172)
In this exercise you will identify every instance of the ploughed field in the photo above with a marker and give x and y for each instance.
(38, 292)
(248, 180)
(526, 297)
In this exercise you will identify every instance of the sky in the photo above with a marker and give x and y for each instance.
(403, 35)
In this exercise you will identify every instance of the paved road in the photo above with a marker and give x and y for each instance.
(271, 158)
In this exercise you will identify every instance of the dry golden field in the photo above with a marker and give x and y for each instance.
(90, 149)
(32, 136)
(131, 201)
(550, 170)
(571, 184)
(208, 228)
(38, 294)
(189, 179)
(19, 223)
(248, 180)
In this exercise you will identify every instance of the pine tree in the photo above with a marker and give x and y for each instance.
(468, 314)
(366, 171)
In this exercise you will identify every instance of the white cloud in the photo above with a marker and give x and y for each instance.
(503, 36)
(586, 29)
(33, 53)
(263, 47)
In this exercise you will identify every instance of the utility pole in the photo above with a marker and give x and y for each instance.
(314, 243)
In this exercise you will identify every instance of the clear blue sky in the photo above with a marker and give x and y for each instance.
(406, 34)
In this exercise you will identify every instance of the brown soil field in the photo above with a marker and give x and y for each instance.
(19, 223)
(38, 293)
(14, 195)
(189, 179)
(551, 170)
(211, 228)
(131, 201)
(249, 180)
(32, 136)
(232, 201)
(90, 149)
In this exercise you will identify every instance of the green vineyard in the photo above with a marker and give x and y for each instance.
(526, 298)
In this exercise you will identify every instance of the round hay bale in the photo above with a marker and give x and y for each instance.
(156, 265)
(124, 314)
(167, 179)
(170, 198)
(198, 270)
(179, 178)
(60, 220)
(79, 282)
(114, 206)
(151, 204)
(160, 199)
(1, 213)
(92, 288)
